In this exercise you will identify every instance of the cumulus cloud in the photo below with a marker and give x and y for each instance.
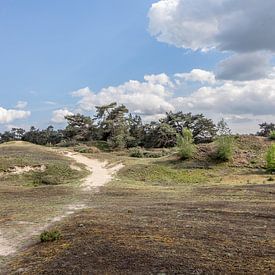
(21, 104)
(233, 25)
(241, 102)
(245, 28)
(242, 67)
(7, 116)
(197, 75)
(251, 97)
(149, 97)
(58, 116)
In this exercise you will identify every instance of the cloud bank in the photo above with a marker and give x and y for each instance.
(245, 28)
(238, 101)
(7, 116)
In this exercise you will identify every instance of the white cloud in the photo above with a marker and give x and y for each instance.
(21, 104)
(242, 27)
(242, 67)
(7, 116)
(233, 25)
(197, 75)
(149, 97)
(58, 116)
(241, 102)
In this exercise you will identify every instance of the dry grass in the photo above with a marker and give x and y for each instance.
(165, 216)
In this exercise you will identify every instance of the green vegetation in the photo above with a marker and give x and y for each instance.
(112, 127)
(50, 236)
(185, 144)
(56, 170)
(224, 148)
(196, 209)
(224, 142)
(272, 135)
(138, 152)
(270, 158)
(57, 173)
(160, 174)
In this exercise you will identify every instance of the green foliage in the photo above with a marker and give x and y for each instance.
(114, 125)
(222, 128)
(50, 236)
(270, 158)
(136, 153)
(272, 135)
(80, 127)
(185, 144)
(160, 135)
(202, 128)
(266, 129)
(163, 174)
(224, 147)
(55, 174)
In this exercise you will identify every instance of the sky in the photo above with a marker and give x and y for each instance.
(202, 56)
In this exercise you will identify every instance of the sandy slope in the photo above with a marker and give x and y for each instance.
(100, 175)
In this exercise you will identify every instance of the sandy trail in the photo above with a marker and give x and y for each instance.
(100, 175)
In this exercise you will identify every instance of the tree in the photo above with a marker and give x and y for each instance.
(223, 128)
(202, 128)
(159, 135)
(6, 136)
(224, 142)
(136, 131)
(79, 128)
(270, 158)
(18, 133)
(43, 137)
(266, 129)
(185, 144)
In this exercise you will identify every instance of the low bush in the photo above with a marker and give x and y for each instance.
(136, 153)
(270, 158)
(224, 148)
(50, 236)
(67, 143)
(272, 135)
(55, 174)
(186, 146)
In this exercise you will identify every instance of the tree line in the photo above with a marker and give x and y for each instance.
(118, 129)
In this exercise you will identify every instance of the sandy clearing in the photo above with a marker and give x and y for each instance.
(100, 172)
(100, 175)
(17, 170)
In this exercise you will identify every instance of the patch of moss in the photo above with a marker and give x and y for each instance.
(163, 175)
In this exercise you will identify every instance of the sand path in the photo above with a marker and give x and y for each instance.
(100, 175)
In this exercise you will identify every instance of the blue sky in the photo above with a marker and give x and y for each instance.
(51, 48)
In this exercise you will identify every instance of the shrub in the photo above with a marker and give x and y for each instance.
(136, 153)
(55, 174)
(270, 158)
(224, 148)
(272, 135)
(50, 236)
(185, 144)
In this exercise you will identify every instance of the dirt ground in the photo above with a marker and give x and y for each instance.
(136, 230)
(166, 217)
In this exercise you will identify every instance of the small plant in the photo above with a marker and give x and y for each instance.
(270, 158)
(50, 236)
(185, 144)
(272, 135)
(224, 148)
(136, 153)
